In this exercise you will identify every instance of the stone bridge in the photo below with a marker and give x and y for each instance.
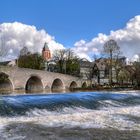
(29, 80)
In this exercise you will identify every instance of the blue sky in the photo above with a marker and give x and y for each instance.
(84, 25)
(71, 20)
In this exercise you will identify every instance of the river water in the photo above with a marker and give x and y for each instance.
(71, 116)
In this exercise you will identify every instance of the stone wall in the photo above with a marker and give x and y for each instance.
(20, 76)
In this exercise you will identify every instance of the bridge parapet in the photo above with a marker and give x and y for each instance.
(29, 79)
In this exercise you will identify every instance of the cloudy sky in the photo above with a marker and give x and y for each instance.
(17, 35)
(84, 25)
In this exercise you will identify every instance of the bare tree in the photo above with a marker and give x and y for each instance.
(111, 48)
(3, 48)
(67, 61)
(95, 57)
(59, 57)
(24, 51)
(118, 63)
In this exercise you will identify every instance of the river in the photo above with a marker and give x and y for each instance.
(71, 116)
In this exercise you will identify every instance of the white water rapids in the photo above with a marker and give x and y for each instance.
(81, 111)
(117, 118)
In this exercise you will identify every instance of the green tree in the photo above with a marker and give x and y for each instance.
(123, 76)
(136, 75)
(72, 66)
(111, 48)
(33, 61)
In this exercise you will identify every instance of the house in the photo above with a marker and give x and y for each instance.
(11, 63)
(86, 68)
(101, 70)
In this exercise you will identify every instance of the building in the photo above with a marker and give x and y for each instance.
(101, 70)
(11, 63)
(86, 69)
(46, 53)
(97, 71)
(50, 64)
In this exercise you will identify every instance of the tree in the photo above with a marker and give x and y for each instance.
(59, 56)
(67, 62)
(24, 51)
(136, 75)
(123, 75)
(72, 66)
(3, 48)
(33, 61)
(117, 66)
(111, 48)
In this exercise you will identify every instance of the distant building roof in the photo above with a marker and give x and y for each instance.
(102, 63)
(4, 63)
(8, 63)
(86, 63)
(45, 46)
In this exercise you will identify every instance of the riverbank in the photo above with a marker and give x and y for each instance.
(71, 91)
(29, 131)
(101, 88)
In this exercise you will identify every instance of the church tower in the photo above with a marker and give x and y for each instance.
(46, 54)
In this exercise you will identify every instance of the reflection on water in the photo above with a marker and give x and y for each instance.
(83, 115)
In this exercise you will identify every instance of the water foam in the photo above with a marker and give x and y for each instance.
(79, 117)
(84, 110)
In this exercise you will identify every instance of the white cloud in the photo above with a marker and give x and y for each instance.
(135, 57)
(127, 38)
(17, 35)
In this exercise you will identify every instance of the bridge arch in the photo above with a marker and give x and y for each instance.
(33, 84)
(6, 84)
(84, 85)
(73, 85)
(47, 88)
(57, 85)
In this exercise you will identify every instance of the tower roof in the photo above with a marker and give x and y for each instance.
(46, 46)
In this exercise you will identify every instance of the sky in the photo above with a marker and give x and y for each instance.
(84, 25)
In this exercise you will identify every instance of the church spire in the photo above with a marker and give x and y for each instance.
(46, 46)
